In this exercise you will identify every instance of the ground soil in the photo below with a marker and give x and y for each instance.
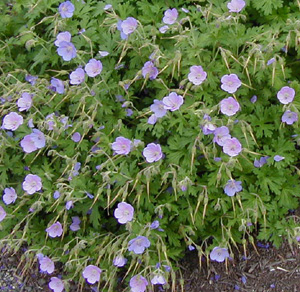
(270, 269)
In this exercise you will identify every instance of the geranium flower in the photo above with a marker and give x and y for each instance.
(152, 119)
(121, 146)
(57, 85)
(236, 5)
(232, 187)
(128, 26)
(232, 147)
(170, 16)
(164, 29)
(124, 213)
(25, 102)
(138, 283)
(46, 265)
(158, 279)
(286, 94)
(12, 121)
(289, 117)
(149, 70)
(66, 50)
(55, 230)
(92, 274)
(76, 137)
(278, 158)
(119, 261)
(77, 76)
(219, 254)
(9, 196)
(64, 36)
(173, 101)
(197, 75)
(66, 9)
(75, 223)
(93, 68)
(152, 152)
(32, 184)
(221, 135)
(229, 106)
(138, 244)
(230, 83)
(259, 163)
(158, 108)
(2, 213)
(56, 284)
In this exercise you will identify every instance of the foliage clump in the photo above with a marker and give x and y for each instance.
(132, 130)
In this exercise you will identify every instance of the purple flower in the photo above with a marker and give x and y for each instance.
(138, 244)
(2, 214)
(232, 187)
(56, 195)
(232, 147)
(158, 279)
(92, 274)
(149, 70)
(152, 152)
(271, 61)
(28, 144)
(129, 25)
(103, 53)
(229, 106)
(66, 50)
(138, 284)
(286, 94)
(66, 9)
(170, 16)
(121, 146)
(230, 83)
(75, 223)
(30, 123)
(119, 261)
(152, 119)
(56, 284)
(208, 129)
(93, 68)
(9, 196)
(221, 135)
(107, 7)
(259, 163)
(55, 230)
(154, 224)
(46, 265)
(77, 76)
(32, 184)
(289, 117)
(197, 75)
(236, 5)
(173, 101)
(253, 99)
(158, 108)
(38, 138)
(278, 158)
(191, 247)
(12, 121)
(129, 112)
(31, 79)
(219, 254)
(69, 205)
(124, 213)
(57, 85)
(25, 102)
(64, 36)
(76, 137)
(164, 29)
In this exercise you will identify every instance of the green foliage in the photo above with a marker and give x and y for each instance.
(184, 191)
